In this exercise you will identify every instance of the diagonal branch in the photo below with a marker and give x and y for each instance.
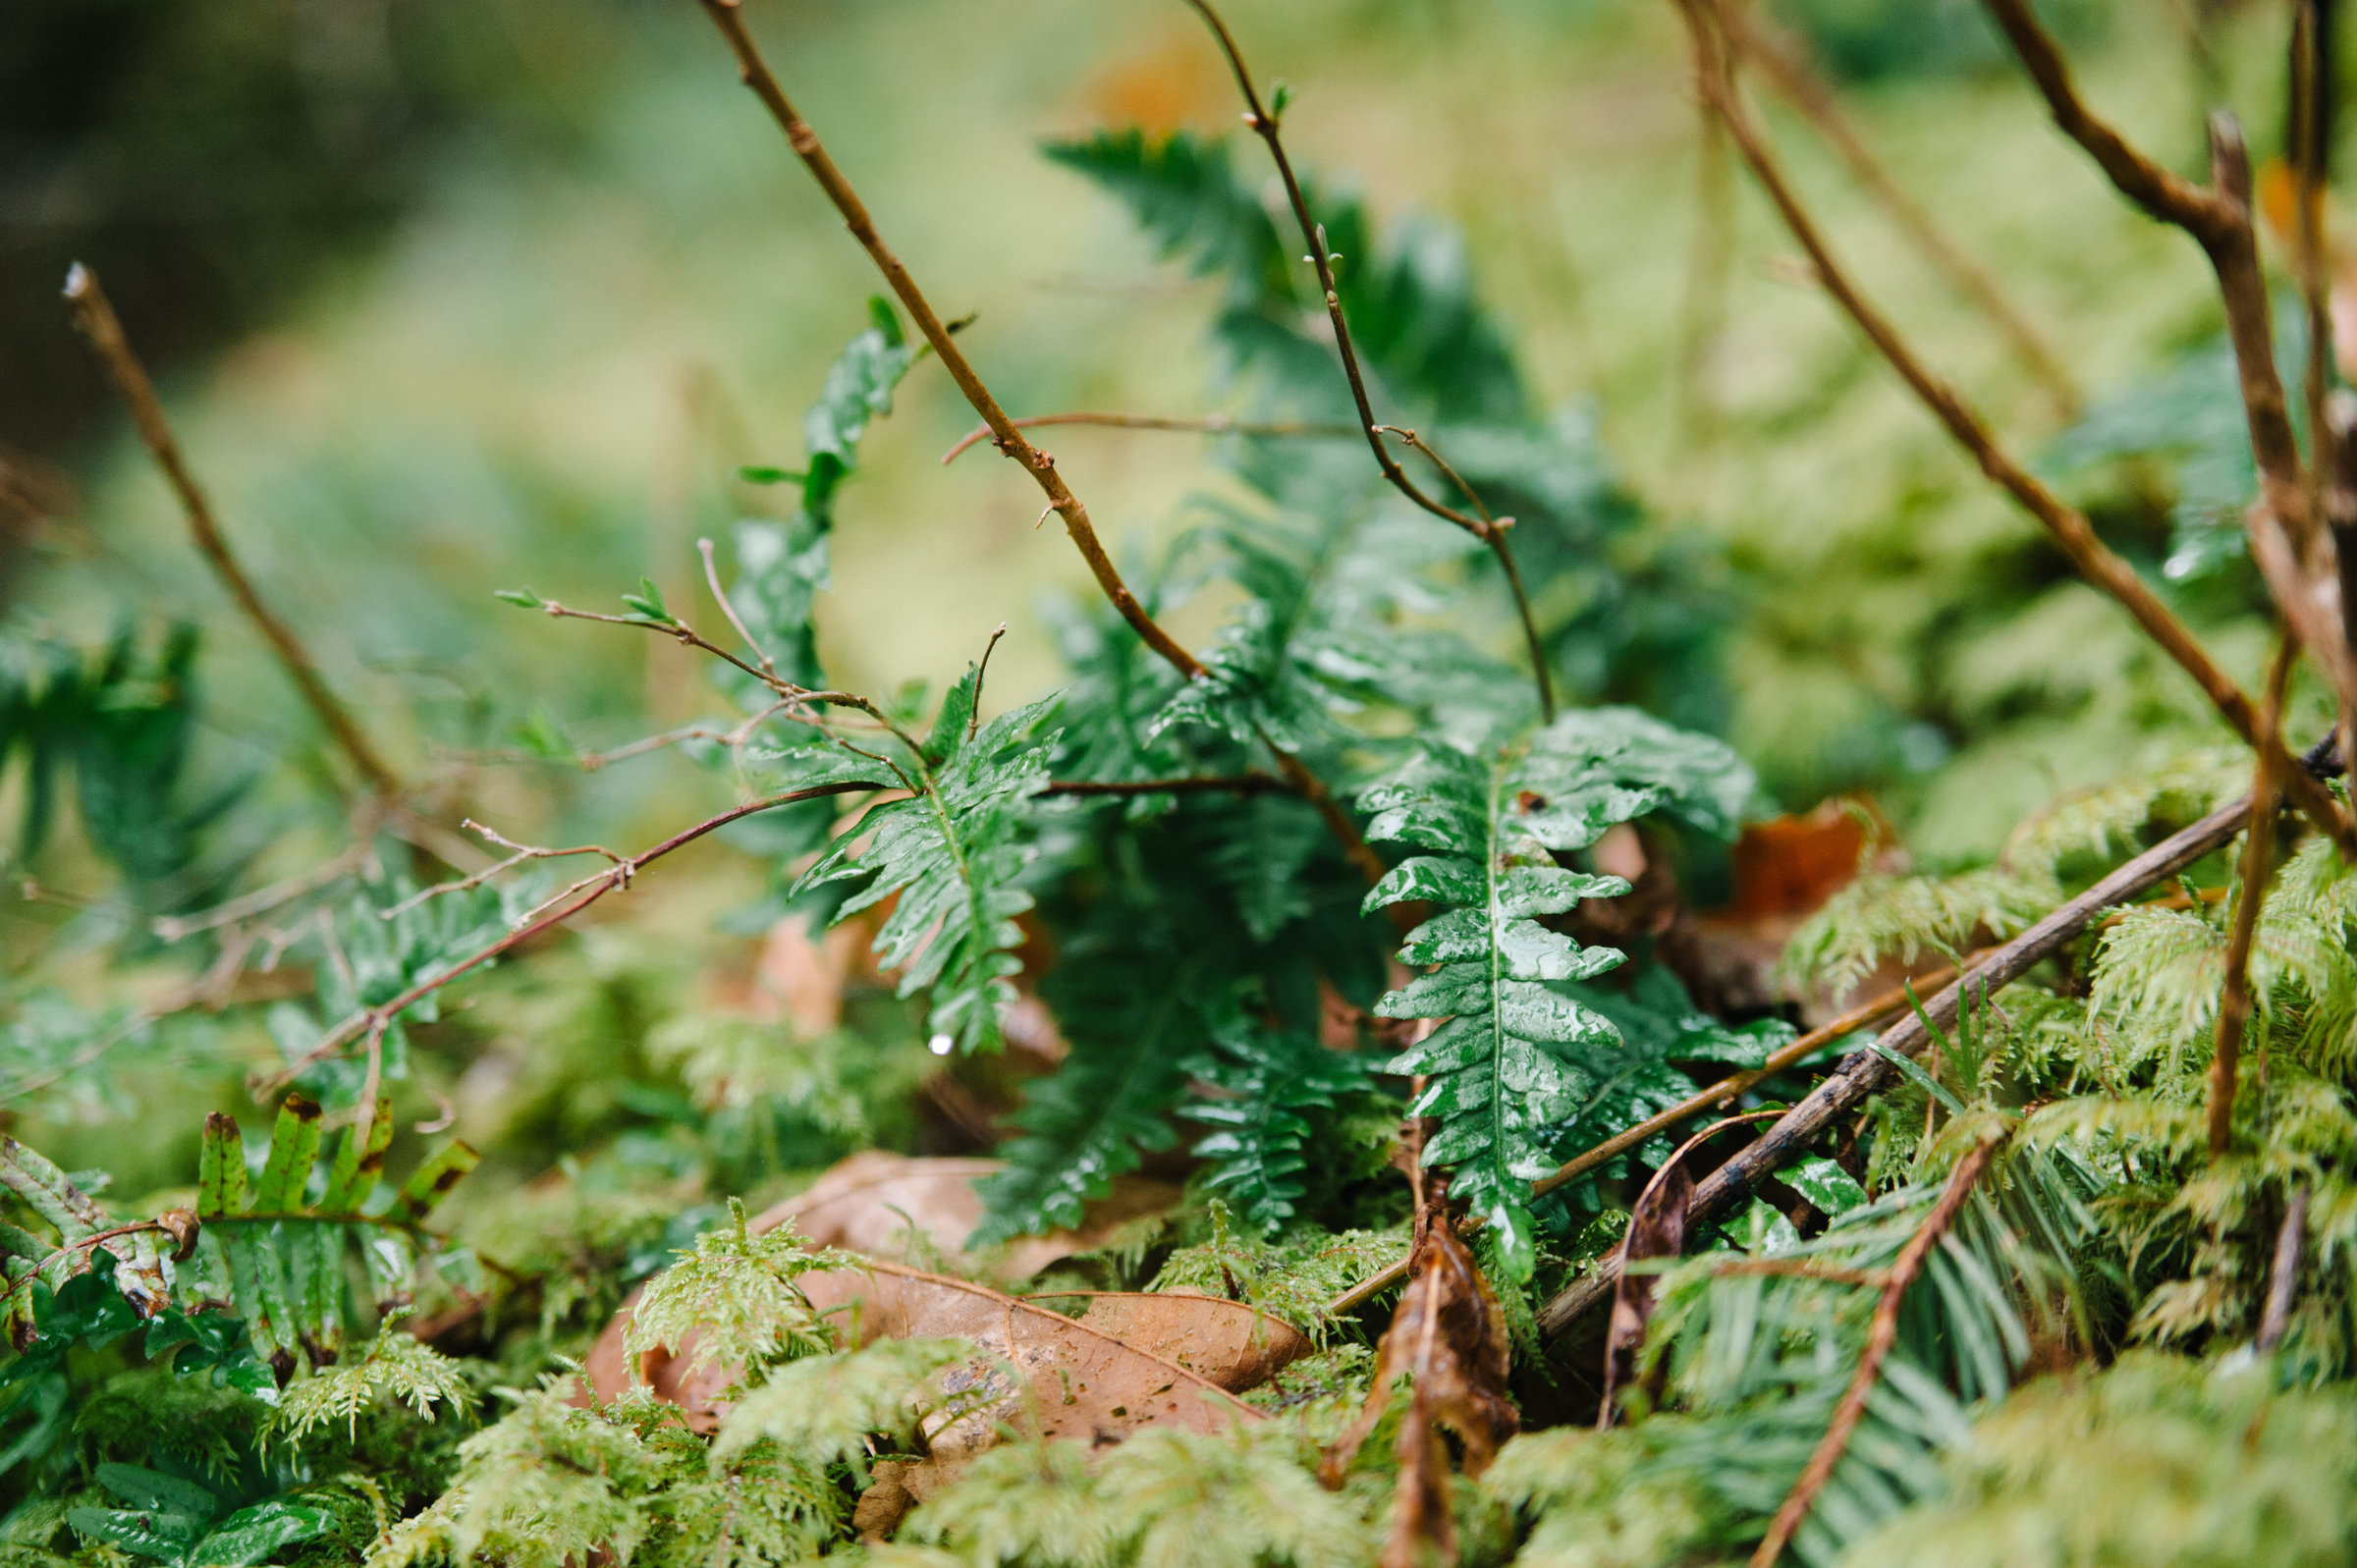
(97, 320)
(2068, 527)
(1881, 1339)
(1789, 71)
(2284, 536)
(1041, 466)
(1490, 531)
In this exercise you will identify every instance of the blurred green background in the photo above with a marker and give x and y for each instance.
(450, 296)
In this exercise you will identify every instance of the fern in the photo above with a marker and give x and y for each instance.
(783, 566)
(1516, 1059)
(830, 1410)
(733, 1291)
(394, 1367)
(952, 853)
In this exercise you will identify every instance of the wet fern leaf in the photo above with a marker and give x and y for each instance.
(951, 851)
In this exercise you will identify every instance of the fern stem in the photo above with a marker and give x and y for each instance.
(1880, 1340)
(2258, 840)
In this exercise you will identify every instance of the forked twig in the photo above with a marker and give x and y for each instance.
(1213, 425)
(1881, 1339)
(2284, 531)
(1863, 1072)
(727, 14)
(555, 913)
(2066, 524)
(1490, 531)
(96, 318)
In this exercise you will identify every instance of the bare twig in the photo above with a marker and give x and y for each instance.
(1863, 1072)
(1796, 80)
(2283, 1277)
(720, 597)
(1881, 1339)
(1264, 125)
(569, 903)
(727, 16)
(350, 862)
(521, 853)
(2258, 844)
(97, 320)
(1205, 424)
(2066, 524)
(2283, 529)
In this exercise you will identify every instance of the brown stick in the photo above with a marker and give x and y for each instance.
(1880, 1340)
(97, 320)
(1788, 70)
(1490, 532)
(2067, 526)
(565, 907)
(1206, 424)
(2234, 1003)
(1864, 1072)
(727, 16)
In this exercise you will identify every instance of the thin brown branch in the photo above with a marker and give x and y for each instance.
(97, 320)
(520, 855)
(355, 856)
(1881, 1339)
(2283, 1275)
(1783, 62)
(2066, 524)
(2258, 844)
(1493, 534)
(1205, 424)
(720, 597)
(576, 900)
(728, 17)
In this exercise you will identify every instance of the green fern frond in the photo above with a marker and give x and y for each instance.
(735, 1291)
(1257, 1085)
(952, 852)
(1876, 917)
(1517, 1059)
(393, 1366)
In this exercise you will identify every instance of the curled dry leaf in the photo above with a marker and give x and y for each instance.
(871, 1202)
(1657, 1228)
(1449, 1339)
(1040, 1374)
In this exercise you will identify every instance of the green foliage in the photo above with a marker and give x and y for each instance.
(735, 1290)
(179, 1520)
(2156, 1460)
(1877, 916)
(394, 1367)
(950, 855)
(279, 1258)
(1162, 1499)
(1517, 1057)
(826, 1410)
(1293, 1278)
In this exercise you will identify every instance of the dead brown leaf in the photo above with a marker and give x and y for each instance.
(1657, 1228)
(1040, 1374)
(1449, 1339)
(1227, 1342)
(913, 1208)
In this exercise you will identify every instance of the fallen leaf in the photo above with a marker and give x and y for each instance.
(1657, 1228)
(1069, 1378)
(1449, 1339)
(804, 974)
(915, 1210)
(1230, 1343)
